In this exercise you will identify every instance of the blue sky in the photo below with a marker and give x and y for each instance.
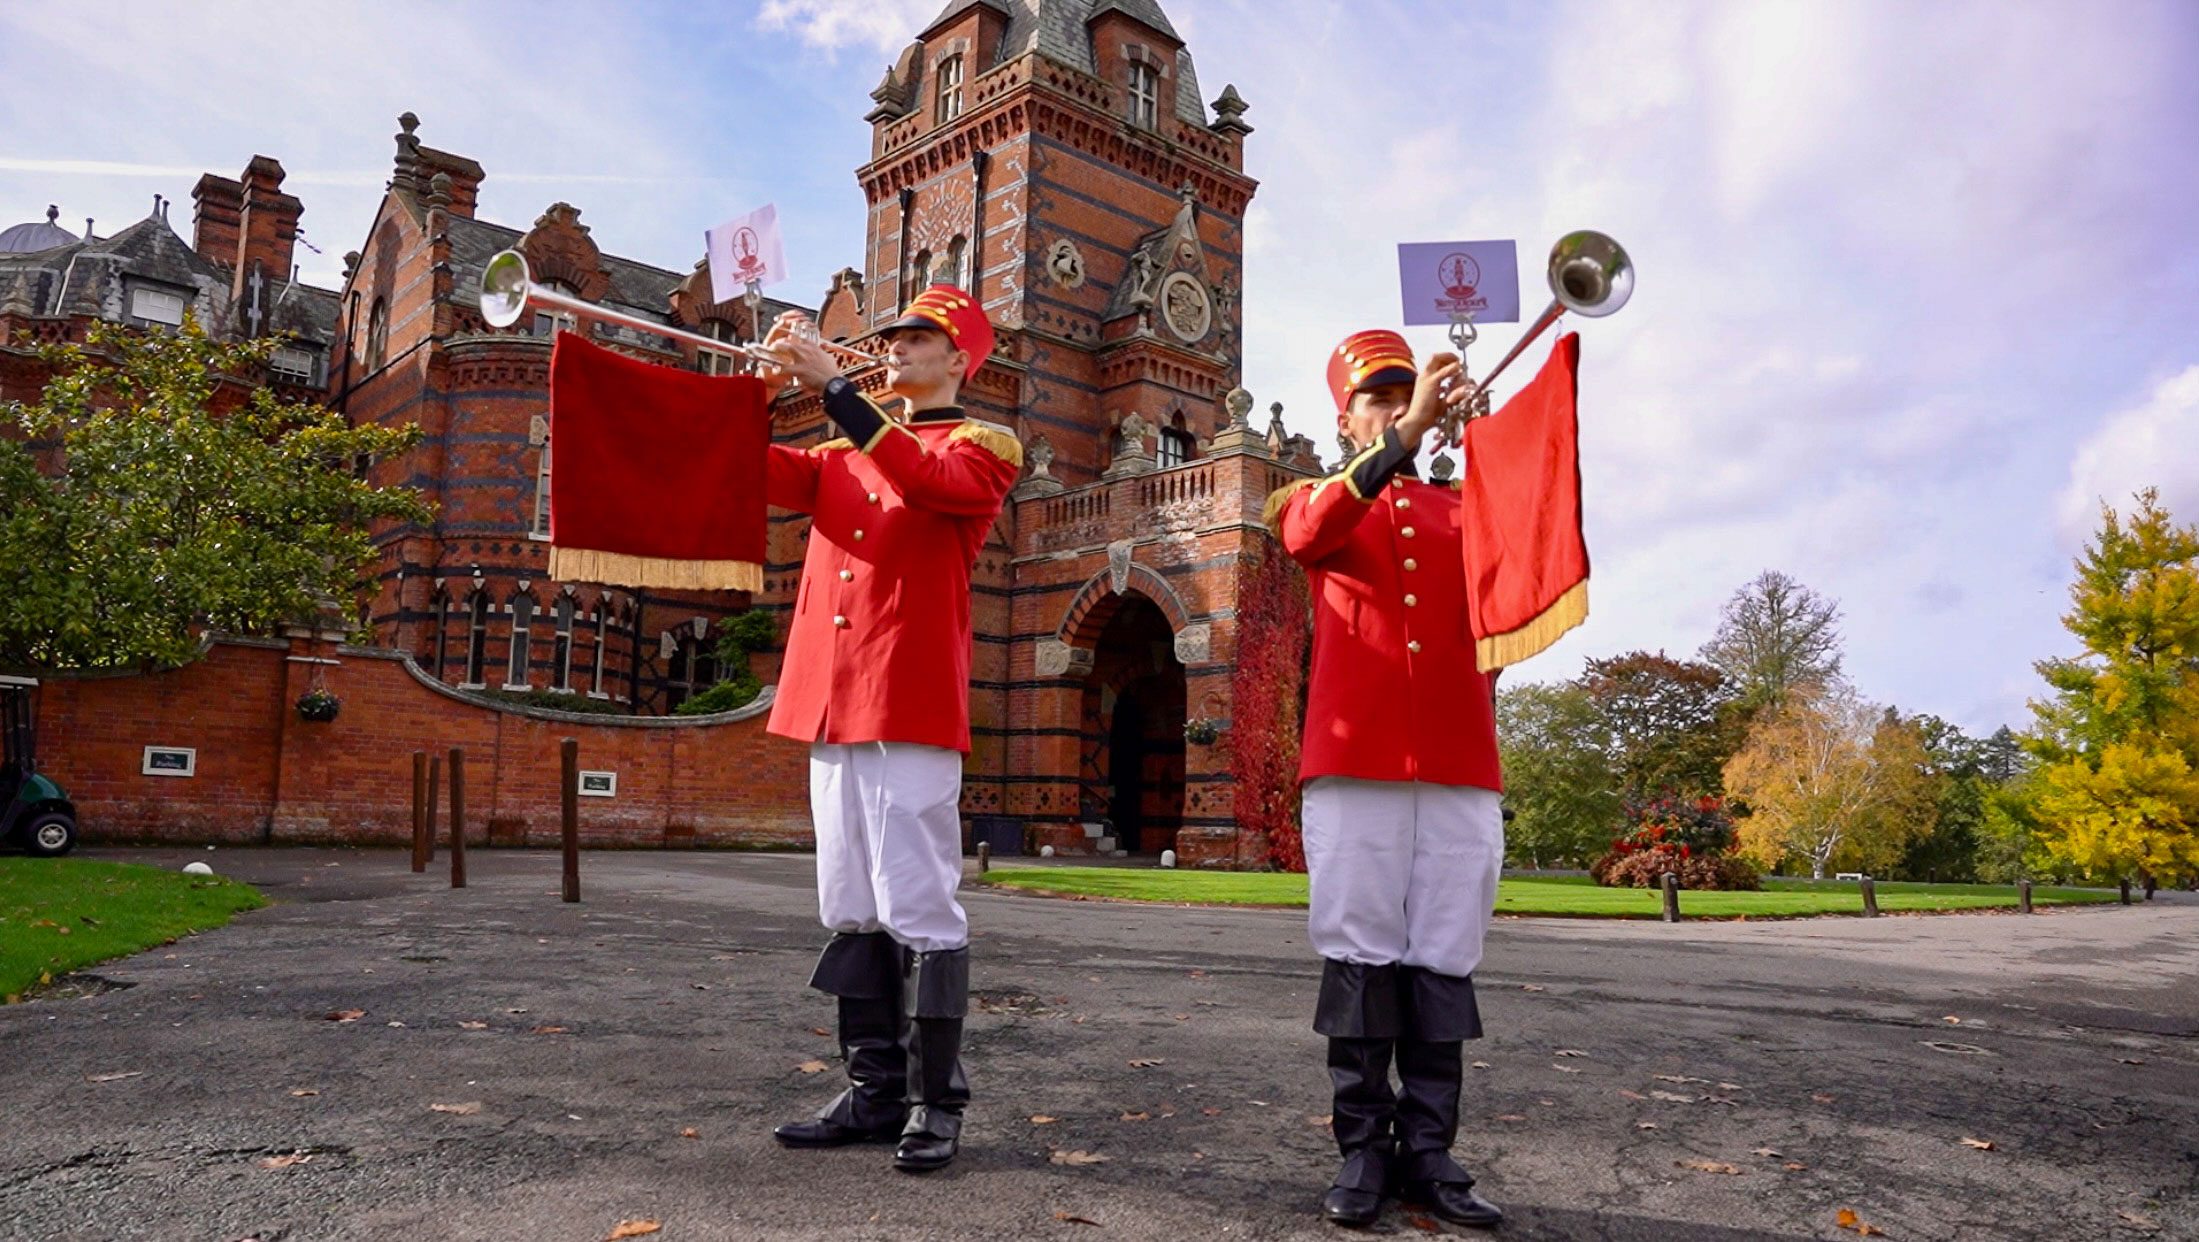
(1917, 283)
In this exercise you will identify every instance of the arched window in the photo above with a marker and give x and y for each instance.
(603, 628)
(477, 637)
(1177, 445)
(1145, 96)
(546, 323)
(377, 346)
(692, 669)
(920, 273)
(515, 676)
(538, 433)
(561, 655)
(710, 361)
(443, 618)
(950, 90)
(958, 263)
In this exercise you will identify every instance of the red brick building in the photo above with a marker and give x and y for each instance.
(1055, 157)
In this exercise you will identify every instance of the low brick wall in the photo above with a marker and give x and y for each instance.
(263, 775)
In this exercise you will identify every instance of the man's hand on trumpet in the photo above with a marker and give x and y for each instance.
(1440, 394)
(796, 355)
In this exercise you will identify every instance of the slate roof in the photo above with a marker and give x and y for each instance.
(36, 235)
(635, 287)
(1060, 30)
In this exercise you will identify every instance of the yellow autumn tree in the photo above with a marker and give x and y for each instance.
(1832, 781)
(2118, 739)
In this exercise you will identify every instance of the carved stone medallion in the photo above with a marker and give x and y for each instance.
(1065, 264)
(1185, 307)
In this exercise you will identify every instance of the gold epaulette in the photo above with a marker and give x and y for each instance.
(992, 437)
(828, 446)
(1276, 499)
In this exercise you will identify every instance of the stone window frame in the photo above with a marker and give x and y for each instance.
(139, 290)
(566, 611)
(519, 653)
(710, 361)
(1175, 446)
(603, 631)
(443, 605)
(377, 342)
(1145, 70)
(538, 517)
(958, 262)
(686, 658)
(312, 356)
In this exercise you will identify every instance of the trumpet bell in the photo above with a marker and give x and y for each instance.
(1590, 274)
(504, 284)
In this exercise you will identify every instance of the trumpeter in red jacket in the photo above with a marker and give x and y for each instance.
(1404, 835)
(877, 680)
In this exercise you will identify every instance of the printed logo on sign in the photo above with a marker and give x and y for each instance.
(748, 262)
(1459, 277)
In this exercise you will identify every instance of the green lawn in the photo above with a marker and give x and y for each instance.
(62, 914)
(1559, 895)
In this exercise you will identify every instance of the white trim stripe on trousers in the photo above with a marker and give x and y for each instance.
(1402, 871)
(889, 841)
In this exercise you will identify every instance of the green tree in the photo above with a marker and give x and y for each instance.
(1558, 779)
(1668, 725)
(738, 684)
(1776, 637)
(186, 499)
(2118, 737)
(1946, 851)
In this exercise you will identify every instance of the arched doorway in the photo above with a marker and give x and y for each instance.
(1133, 739)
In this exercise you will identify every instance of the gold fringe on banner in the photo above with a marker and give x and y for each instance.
(1503, 650)
(662, 572)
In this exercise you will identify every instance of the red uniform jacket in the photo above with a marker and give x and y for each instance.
(879, 650)
(1394, 694)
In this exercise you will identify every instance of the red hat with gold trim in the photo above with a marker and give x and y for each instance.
(944, 308)
(1376, 356)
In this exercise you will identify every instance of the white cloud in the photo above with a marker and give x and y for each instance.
(2152, 444)
(885, 25)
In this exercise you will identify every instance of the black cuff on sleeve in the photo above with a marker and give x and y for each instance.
(1376, 469)
(846, 406)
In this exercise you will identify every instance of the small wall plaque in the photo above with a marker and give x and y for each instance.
(171, 761)
(599, 784)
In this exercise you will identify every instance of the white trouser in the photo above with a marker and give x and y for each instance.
(889, 841)
(1402, 871)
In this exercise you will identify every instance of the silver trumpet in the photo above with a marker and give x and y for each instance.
(1590, 275)
(508, 288)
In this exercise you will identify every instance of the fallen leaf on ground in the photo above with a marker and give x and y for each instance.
(467, 1109)
(2130, 1060)
(1077, 1157)
(1147, 1062)
(1325, 1119)
(1847, 1219)
(700, 987)
(115, 1077)
(1510, 1117)
(818, 1030)
(1425, 1224)
(1952, 1020)
(691, 1132)
(1530, 987)
(1564, 1069)
(1066, 1219)
(811, 1067)
(1678, 1078)
(1822, 1098)
(394, 1022)
(1768, 1154)
(2143, 1224)
(1632, 1095)
(515, 1011)
(1731, 1086)
(1211, 1112)
(1709, 1166)
(549, 1030)
(1672, 1097)
(284, 1162)
(1980, 1144)
(304, 1091)
(1569, 1052)
(473, 1026)
(1645, 1125)
(1794, 1166)
(346, 1015)
(1137, 1116)
(1481, 1065)
(1041, 1119)
(633, 1229)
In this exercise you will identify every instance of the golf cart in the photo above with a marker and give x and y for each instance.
(33, 811)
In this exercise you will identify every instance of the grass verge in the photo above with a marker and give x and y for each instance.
(63, 914)
(1567, 895)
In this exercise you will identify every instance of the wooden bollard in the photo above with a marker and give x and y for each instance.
(457, 818)
(419, 810)
(569, 751)
(984, 857)
(2023, 896)
(1870, 897)
(435, 795)
(2124, 885)
(1671, 884)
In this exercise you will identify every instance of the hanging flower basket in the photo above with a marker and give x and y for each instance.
(318, 705)
(1202, 730)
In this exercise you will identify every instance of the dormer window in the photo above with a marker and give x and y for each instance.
(546, 323)
(1145, 96)
(949, 75)
(161, 307)
(295, 364)
(716, 362)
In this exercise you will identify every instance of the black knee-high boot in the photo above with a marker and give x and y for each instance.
(1439, 1015)
(1358, 1011)
(866, 972)
(939, 1091)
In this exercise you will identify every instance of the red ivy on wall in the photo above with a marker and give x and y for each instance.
(1267, 702)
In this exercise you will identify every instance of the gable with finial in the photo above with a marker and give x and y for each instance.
(559, 248)
(1168, 284)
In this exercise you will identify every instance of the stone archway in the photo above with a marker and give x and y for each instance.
(1131, 740)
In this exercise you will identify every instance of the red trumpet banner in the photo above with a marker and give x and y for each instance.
(1526, 560)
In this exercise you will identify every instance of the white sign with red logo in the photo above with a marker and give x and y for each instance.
(745, 251)
(1445, 279)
